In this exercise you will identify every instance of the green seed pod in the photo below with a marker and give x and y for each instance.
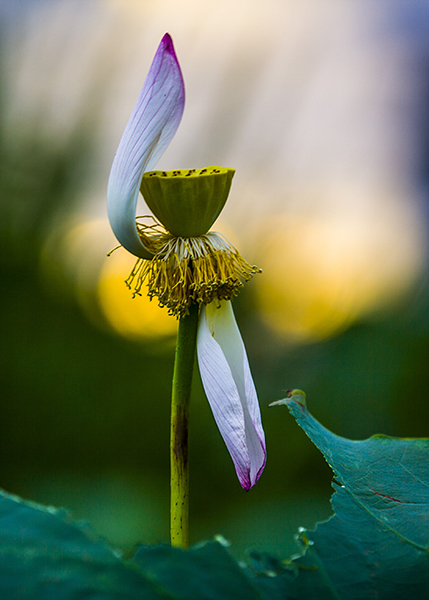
(187, 201)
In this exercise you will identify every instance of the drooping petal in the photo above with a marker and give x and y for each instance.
(152, 125)
(230, 390)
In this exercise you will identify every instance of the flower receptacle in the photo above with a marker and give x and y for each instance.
(187, 201)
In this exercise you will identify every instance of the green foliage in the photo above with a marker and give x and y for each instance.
(375, 546)
(377, 543)
(44, 555)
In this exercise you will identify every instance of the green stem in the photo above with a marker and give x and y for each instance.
(182, 381)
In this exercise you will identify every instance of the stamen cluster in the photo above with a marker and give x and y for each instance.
(188, 270)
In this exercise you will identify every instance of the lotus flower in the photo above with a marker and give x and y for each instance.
(189, 264)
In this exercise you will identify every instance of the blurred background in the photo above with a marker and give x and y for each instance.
(322, 107)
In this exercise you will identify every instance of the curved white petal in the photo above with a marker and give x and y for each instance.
(152, 125)
(230, 390)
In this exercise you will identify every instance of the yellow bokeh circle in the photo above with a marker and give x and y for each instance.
(134, 318)
(321, 274)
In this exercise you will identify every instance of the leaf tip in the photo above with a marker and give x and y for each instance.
(292, 396)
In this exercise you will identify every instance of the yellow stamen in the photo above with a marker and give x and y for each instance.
(188, 270)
